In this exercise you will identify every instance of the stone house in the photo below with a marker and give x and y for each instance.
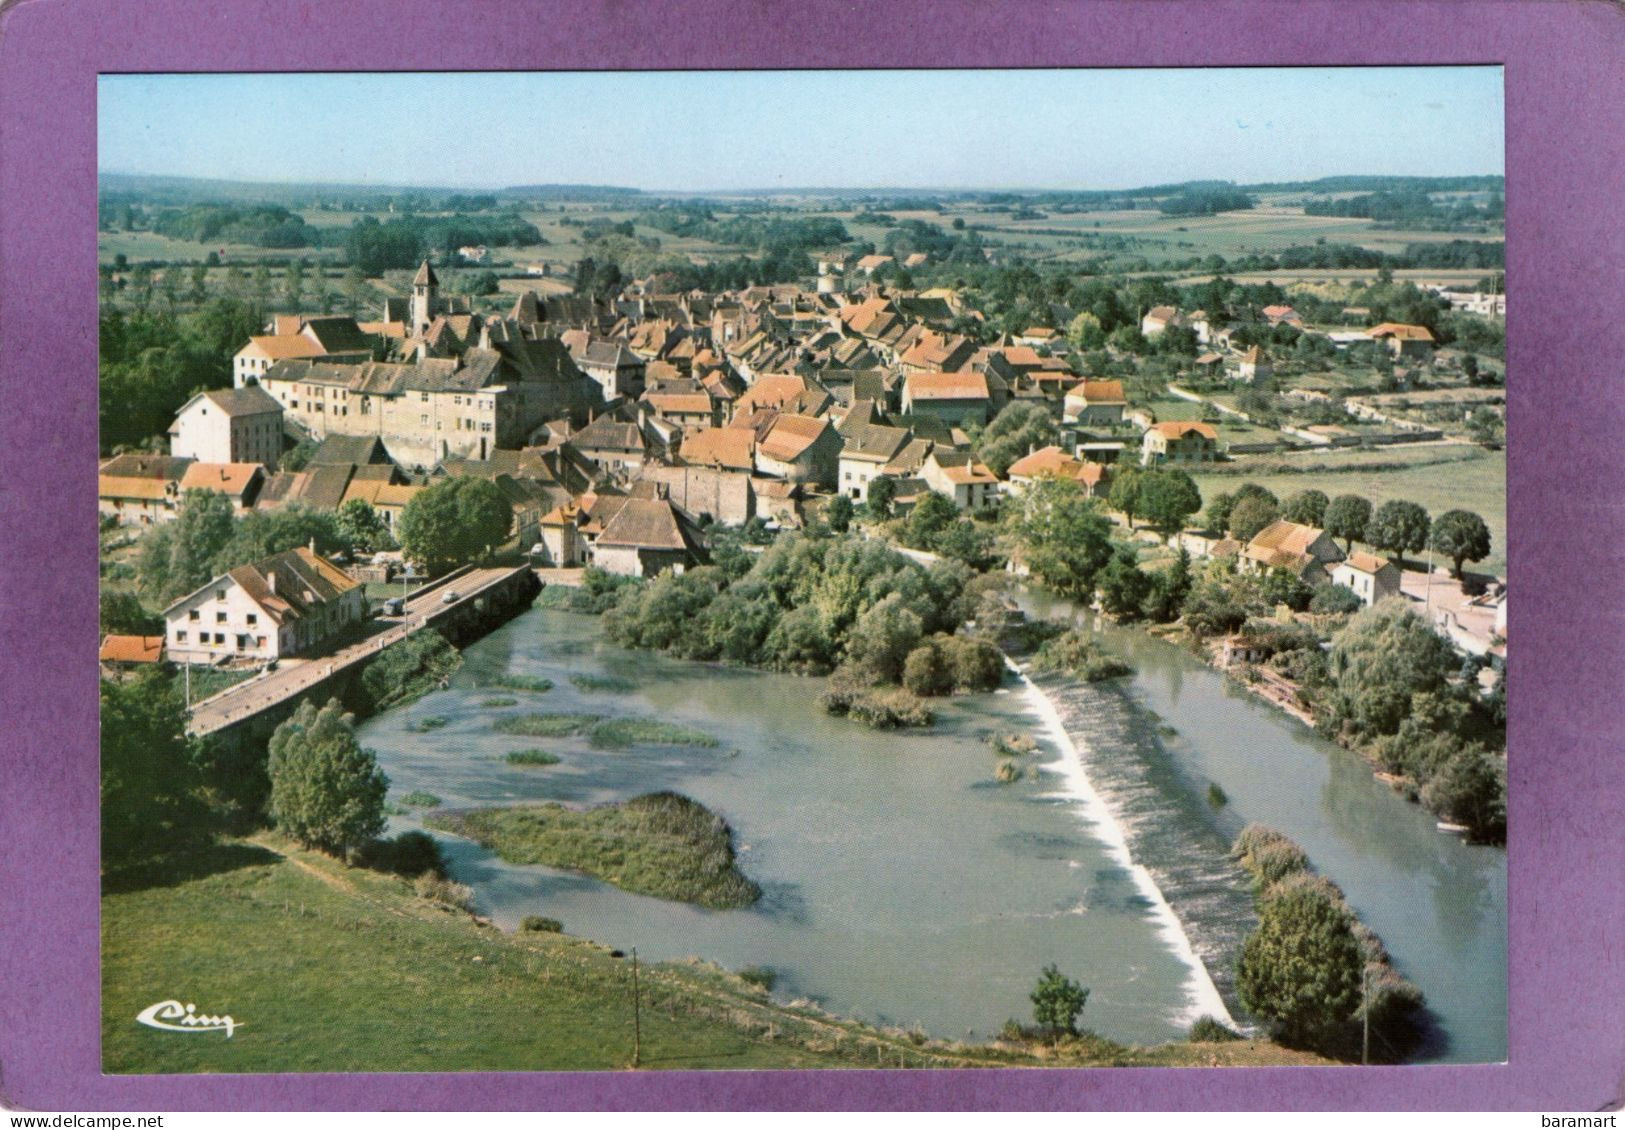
(954, 398)
(960, 478)
(1179, 442)
(140, 490)
(648, 536)
(1371, 577)
(229, 425)
(1095, 402)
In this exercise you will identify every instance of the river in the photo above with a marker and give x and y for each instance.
(903, 885)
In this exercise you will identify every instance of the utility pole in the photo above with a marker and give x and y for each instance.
(637, 1019)
(1365, 1015)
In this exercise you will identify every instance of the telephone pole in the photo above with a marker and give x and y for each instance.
(637, 1019)
(1365, 1015)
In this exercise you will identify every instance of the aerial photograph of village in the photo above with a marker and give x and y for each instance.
(872, 569)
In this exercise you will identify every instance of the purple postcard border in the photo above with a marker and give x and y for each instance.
(1564, 62)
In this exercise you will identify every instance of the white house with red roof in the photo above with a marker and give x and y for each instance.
(283, 605)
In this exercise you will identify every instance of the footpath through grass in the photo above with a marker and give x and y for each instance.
(661, 844)
(328, 968)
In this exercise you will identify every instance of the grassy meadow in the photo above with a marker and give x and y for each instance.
(329, 968)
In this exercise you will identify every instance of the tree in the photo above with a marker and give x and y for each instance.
(148, 770)
(881, 640)
(293, 284)
(882, 497)
(1461, 536)
(1346, 517)
(123, 614)
(363, 527)
(1021, 426)
(931, 515)
(1125, 493)
(1250, 515)
(1085, 333)
(1124, 586)
(1307, 508)
(1057, 1001)
(178, 556)
(1168, 499)
(454, 521)
(1302, 967)
(839, 513)
(1062, 533)
(1217, 514)
(356, 288)
(326, 791)
(1399, 526)
(1334, 600)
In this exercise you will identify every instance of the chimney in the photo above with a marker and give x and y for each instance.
(313, 546)
(270, 580)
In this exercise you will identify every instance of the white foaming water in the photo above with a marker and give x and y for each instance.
(1201, 994)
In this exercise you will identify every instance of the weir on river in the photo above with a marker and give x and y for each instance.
(902, 883)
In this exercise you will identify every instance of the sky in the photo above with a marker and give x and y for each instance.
(700, 131)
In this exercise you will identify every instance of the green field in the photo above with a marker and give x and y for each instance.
(1474, 479)
(328, 968)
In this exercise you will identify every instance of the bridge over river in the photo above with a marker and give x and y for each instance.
(461, 605)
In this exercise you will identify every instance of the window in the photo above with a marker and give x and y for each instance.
(220, 594)
(424, 420)
(219, 617)
(194, 616)
(259, 641)
(424, 397)
(253, 618)
(180, 635)
(220, 638)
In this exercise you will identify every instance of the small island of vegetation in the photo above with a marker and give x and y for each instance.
(661, 844)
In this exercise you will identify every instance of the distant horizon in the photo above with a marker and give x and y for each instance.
(785, 190)
(719, 132)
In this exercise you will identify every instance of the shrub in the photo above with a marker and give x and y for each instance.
(1216, 796)
(532, 757)
(760, 976)
(406, 671)
(421, 800)
(1079, 653)
(437, 889)
(326, 791)
(886, 709)
(1007, 772)
(409, 854)
(1012, 745)
(924, 672)
(1207, 1030)
(1334, 600)
(537, 924)
(425, 725)
(496, 703)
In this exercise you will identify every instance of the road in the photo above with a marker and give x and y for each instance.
(296, 676)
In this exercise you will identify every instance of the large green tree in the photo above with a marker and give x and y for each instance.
(362, 527)
(1168, 499)
(1125, 493)
(1062, 533)
(149, 776)
(1346, 517)
(1301, 969)
(1398, 526)
(326, 791)
(1461, 536)
(454, 521)
(179, 556)
(1307, 508)
(1020, 427)
(1251, 514)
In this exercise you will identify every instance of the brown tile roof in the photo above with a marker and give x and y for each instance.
(1290, 536)
(720, 447)
(227, 478)
(963, 469)
(648, 523)
(1162, 313)
(790, 436)
(1401, 332)
(130, 486)
(947, 386)
(673, 403)
(286, 347)
(1098, 392)
(1175, 429)
(1368, 562)
(250, 400)
(132, 649)
(1045, 461)
(382, 494)
(139, 465)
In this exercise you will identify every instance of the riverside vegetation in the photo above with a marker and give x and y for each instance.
(661, 844)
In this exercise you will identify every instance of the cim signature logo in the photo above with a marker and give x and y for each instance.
(173, 1016)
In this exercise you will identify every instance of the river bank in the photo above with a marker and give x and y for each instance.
(1438, 902)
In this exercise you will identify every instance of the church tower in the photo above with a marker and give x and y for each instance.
(425, 299)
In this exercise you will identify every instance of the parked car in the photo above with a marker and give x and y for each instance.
(449, 598)
(394, 606)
